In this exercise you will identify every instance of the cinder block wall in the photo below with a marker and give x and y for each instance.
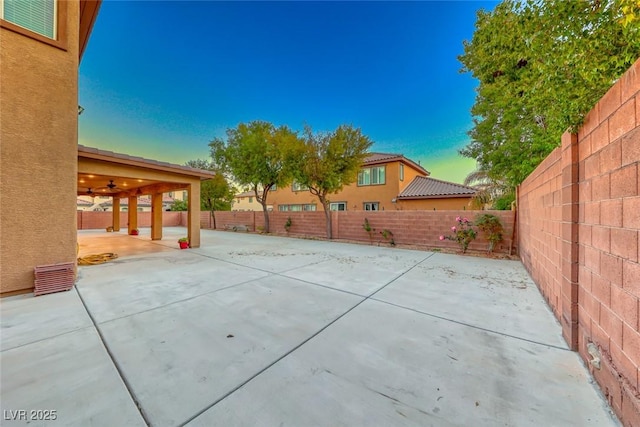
(90, 220)
(416, 228)
(539, 228)
(579, 234)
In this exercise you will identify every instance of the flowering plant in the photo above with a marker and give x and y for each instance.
(463, 233)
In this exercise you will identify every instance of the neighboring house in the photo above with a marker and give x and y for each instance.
(381, 181)
(247, 202)
(426, 193)
(178, 195)
(84, 205)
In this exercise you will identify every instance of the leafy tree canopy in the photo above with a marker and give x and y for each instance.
(215, 194)
(258, 155)
(542, 65)
(329, 161)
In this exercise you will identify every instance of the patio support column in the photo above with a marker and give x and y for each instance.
(133, 213)
(115, 215)
(156, 216)
(193, 215)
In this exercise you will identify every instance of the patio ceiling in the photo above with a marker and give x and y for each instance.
(105, 173)
(99, 185)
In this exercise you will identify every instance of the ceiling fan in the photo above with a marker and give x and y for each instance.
(110, 187)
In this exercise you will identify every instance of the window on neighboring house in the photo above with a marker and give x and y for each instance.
(372, 176)
(371, 206)
(184, 195)
(298, 187)
(297, 208)
(401, 172)
(338, 206)
(38, 16)
(274, 187)
(170, 193)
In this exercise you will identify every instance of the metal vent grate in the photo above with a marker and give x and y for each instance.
(54, 278)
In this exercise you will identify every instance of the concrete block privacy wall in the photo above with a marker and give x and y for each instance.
(90, 220)
(579, 238)
(412, 228)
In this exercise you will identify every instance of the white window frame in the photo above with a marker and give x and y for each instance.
(54, 26)
(372, 176)
(335, 206)
(371, 206)
(401, 172)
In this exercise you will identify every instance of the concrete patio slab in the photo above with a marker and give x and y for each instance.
(361, 273)
(180, 358)
(25, 319)
(264, 330)
(383, 365)
(494, 295)
(132, 285)
(69, 374)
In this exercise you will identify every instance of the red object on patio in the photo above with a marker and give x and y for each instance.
(54, 278)
(184, 245)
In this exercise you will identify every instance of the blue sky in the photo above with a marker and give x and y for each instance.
(161, 79)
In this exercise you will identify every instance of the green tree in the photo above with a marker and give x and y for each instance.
(329, 161)
(179, 205)
(258, 155)
(489, 190)
(542, 65)
(215, 194)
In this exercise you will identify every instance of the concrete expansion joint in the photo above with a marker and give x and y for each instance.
(46, 339)
(183, 300)
(115, 363)
(473, 326)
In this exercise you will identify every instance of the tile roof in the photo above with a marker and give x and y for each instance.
(423, 187)
(377, 158)
(83, 202)
(246, 194)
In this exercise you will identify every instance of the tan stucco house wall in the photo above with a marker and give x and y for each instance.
(38, 153)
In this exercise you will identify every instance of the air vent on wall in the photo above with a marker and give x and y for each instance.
(54, 278)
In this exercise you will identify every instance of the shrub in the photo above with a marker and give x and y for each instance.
(367, 227)
(388, 236)
(287, 225)
(463, 233)
(492, 229)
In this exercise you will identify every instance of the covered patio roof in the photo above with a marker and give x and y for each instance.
(106, 173)
(131, 175)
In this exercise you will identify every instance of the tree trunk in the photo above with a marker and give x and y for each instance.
(327, 215)
(213, 217)
(263, 201)
(266, 217)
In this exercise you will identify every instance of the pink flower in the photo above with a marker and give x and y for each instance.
(458, 218)
(465, 220)
(441, 237)
(453, 228)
